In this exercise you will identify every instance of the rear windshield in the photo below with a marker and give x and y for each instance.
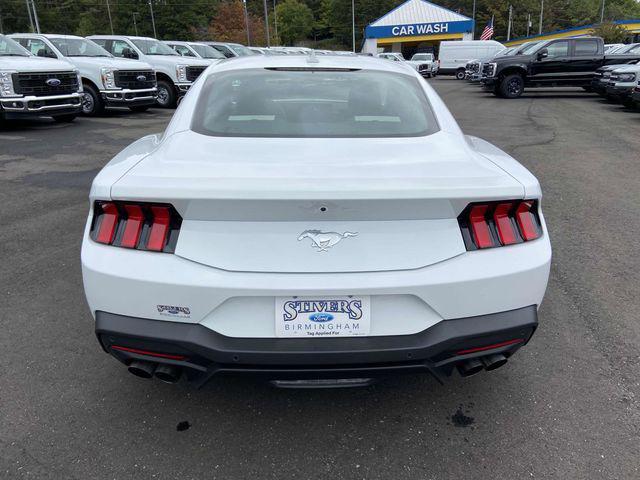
(313, 103)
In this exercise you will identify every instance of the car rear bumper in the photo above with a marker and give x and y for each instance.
(203, 353)
(45, 105)
(126, 97)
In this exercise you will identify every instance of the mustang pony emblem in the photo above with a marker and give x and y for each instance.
(323, 241)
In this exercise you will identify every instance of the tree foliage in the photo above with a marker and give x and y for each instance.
(326, 21)
(611, 32)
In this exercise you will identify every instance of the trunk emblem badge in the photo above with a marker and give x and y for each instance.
(323, 241)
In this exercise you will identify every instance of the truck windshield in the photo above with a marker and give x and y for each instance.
(153, 47)
(422, 57)
(205, 51)
(10, 48)
(241, 50)
(529, 49)
(312, 102)
(79, 47)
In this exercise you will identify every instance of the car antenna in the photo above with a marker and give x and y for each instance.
(311, 58)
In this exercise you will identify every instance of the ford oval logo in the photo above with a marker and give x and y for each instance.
(141, 78)
(53, 82)
(321, 317)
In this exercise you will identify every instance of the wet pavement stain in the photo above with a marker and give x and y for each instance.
(182, 426)
(459, 419)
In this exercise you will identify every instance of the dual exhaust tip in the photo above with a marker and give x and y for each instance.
(476, 365)
(163, 371)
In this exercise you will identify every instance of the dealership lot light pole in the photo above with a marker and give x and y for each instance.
(353, 24)
(541, 13)
(109, 13)
(153, 20)
(266, 22)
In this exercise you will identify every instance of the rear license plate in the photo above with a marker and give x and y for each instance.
(348, 316)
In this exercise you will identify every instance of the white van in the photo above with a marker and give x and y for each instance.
(455, 55)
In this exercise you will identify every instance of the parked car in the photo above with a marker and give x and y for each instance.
(612, 47)
(425, 64)
(394, 57)
(106, 81)
(175, 74)
(196, 50)
(622, 82)
(554, 63)
(394, 243)
(601, 76)
(635, 96)
(230, 50)
(35, 86)
(454, 55)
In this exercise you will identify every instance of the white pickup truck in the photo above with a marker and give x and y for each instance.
(106, 81)
(175, 74)
(33, 86)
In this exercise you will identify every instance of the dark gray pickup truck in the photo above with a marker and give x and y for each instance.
(563, 62)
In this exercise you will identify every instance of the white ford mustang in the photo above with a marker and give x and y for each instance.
(313, 220)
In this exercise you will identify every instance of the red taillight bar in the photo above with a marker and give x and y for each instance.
(496, 224)
(148, 353)
(143, 226)
(490, 347)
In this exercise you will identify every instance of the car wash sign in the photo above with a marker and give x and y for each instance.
(418, 29)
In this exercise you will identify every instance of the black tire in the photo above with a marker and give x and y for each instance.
(167, 97)
(139, 108)
(512, 86)
(588, 89)
(92, 104)
(460, 74)
(629, 103)
(68, 118)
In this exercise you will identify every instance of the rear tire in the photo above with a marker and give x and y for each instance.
(139, 108)
(167, 97)
(460, 74)
(92, 104)
(65, 118)
(512, 86)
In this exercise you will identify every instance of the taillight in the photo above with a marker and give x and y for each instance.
(143, 226)
(497, 224)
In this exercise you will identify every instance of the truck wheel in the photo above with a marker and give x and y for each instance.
(68, 118)
(166, 94)
(460, 74)
(512, 86)
(139, 108)
(92, 104)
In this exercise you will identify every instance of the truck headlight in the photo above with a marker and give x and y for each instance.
(627, 77)
(6, 84)
(109, 78)
(79, 81)
(491, 69)
(181, 73)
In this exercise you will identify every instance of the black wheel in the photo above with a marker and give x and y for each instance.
(512, 86)
(460, 74)
(92, 104)
(166, 94)
(68, 118)
(139, 108)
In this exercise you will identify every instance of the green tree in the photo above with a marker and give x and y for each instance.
(611, 32)
(295, 21)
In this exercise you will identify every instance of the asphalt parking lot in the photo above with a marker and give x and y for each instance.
(566, 406)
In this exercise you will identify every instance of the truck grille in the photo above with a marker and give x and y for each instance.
(36, 83)
(132, 79)
(194, 72)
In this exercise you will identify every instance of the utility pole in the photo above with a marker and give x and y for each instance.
(266, 23)
(1, 31)
(35, 15)
(246, 21)
(33, 29)
(541, 13)
(153, 20)
(602, 13)
(353, 24)
(135, 24)
(109, 13)
(528, 24)
(275, 19)
(473, 33)
(509, 27)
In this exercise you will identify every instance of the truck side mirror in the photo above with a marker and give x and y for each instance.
(544, 53)
(128, 53)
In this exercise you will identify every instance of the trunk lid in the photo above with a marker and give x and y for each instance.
(317, 205)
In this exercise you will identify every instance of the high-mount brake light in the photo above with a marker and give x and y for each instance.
(497, 224)
(143, 226)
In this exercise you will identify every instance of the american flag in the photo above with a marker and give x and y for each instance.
(487, 33)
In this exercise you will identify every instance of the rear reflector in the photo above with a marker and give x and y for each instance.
(490, 347)
(142, 226)
(169, 356)
(496, 224)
